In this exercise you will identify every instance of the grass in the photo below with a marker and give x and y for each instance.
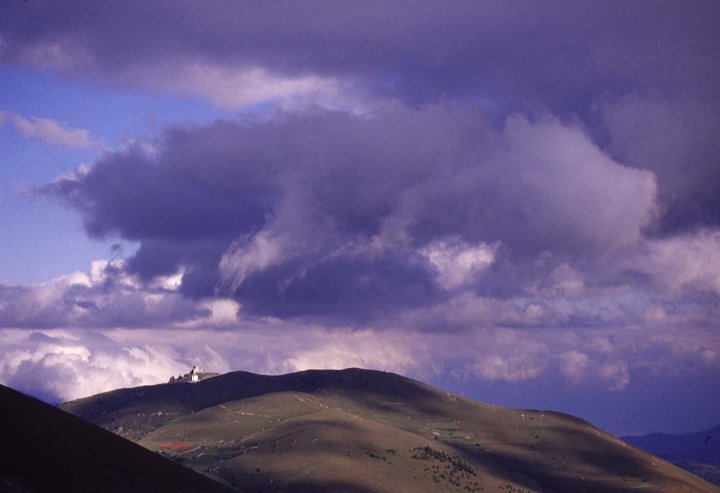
(360, 431)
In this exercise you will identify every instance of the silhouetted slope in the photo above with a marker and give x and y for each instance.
(358, 430)
(699, 452)
(44, 449)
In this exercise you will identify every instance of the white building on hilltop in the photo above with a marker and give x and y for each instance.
(193, 376)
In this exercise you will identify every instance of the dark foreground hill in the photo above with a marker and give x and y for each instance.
(366, 431)
(699, 452)
(44, 449)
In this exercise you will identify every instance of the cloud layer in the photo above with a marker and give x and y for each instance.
(519, 193)
(331, 214)
(597, 374)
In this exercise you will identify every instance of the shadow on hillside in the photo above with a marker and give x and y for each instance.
(47, 450)
(584, 447)
(262, 483)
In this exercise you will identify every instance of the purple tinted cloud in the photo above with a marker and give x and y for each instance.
(326, 213)
(413, 49)
(105, 297)
(49, 131)
(535, 183)
(674, 138)
(643, 78)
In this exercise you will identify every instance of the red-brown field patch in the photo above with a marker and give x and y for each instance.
(175, 446)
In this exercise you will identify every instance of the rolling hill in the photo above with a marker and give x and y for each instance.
(699, 452)
(47, 450)
(368, 431)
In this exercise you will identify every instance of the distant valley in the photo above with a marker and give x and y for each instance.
(699, 452)
(368, 431)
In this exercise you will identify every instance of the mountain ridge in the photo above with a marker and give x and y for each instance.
(363, 430)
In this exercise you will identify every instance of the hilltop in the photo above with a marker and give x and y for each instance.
(368, 431)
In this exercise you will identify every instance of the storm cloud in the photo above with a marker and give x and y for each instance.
(558, 53)
(329, 213)
(503, 192)
(642, 79)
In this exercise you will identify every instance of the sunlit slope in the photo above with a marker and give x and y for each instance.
(366, 431)
(47, 450)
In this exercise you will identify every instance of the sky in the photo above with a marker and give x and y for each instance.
(516, 201)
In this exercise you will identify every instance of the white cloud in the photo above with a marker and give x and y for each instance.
(238, 88)
(579, 368)
(616, 374)
(223, 313)
(573, 364)
(364, 349)
(689, 261)
(49, 131)
(249, 255)
(579, 188)
(70, 363)
(65, 365)
(510, 368)
(510, 357)
(456, 262)
(466, 310)
(601, 344)
(106, 296)
(170, 282)
(563, 281)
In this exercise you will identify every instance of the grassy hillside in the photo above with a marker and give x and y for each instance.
(367, 431)
(47, 450)
(699, 452)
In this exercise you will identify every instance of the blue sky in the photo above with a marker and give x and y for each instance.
(42, 241)
(516, 202)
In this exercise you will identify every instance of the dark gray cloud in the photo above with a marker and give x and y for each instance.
(565, 51)
(131, 194)
(325, 213)
(643, 78)
(675, 138)
(615, 143)
(356, 287)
